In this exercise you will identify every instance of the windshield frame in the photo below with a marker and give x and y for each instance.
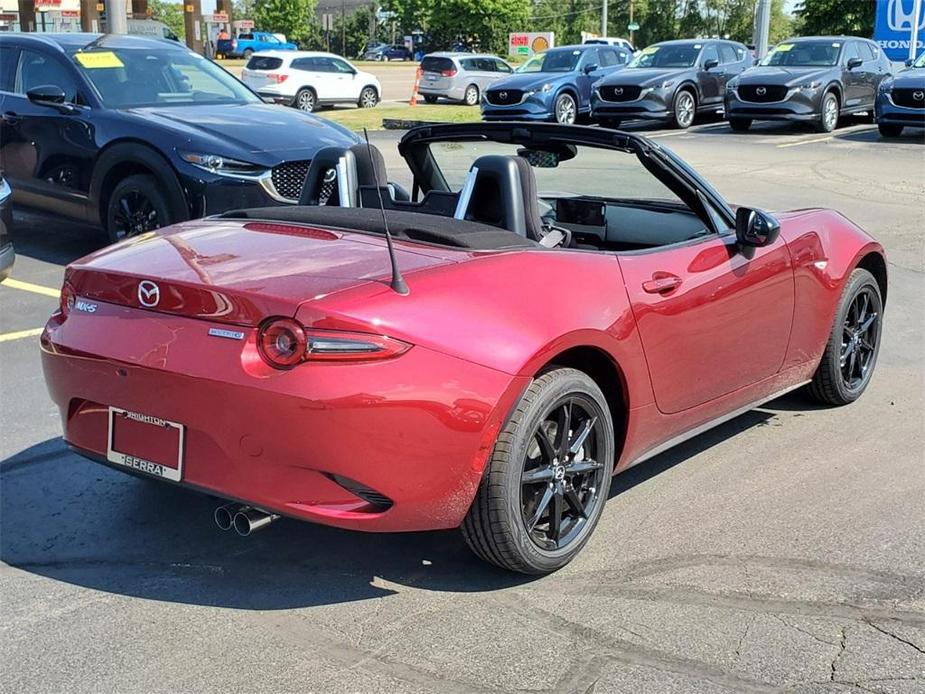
(919, 62)
(764, 62)
(244, 94)
(541, 58)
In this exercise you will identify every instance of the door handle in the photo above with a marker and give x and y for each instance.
(661, 284)
(11, 118)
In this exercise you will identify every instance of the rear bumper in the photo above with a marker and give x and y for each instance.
(457, 93)
(796, 107)
(278, 439)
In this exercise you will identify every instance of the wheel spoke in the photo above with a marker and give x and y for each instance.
(555, 517)
(851, 364)
(540, 474)
(582, 466)
(865, 326)
(564, 419)
(547, 451)
(571, 496)
(548, 494)
(582, 436)
(126, 209)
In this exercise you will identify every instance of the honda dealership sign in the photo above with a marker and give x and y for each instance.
(900, 28)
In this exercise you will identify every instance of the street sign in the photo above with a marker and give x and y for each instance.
(527, 44)
(900, 28)
(632, 26)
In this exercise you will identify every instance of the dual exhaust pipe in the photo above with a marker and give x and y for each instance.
(244, 519)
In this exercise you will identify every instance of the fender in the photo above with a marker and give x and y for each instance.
(139, 153)
(694, 87)
(572, 91)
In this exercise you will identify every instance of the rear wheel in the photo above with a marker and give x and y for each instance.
(305, 100)
(137, 205)
(471, 97)
(247, 53)
(430, 98)
(828, 118)
(368, 98)
(685, 108)
(565, 110)
(740, 125)
(851, 352)
(890, 129)
(548, 477)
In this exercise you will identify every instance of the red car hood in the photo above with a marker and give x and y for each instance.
(236, 272)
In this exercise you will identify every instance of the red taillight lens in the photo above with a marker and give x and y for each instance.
(283, 343)
(276, 77)
(66, 302)
(448, 73)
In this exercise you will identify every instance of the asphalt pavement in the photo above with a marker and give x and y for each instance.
(782, 551)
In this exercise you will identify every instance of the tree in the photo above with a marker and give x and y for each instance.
(351, 31)
(294, 18)
(480, 23)
(170, 14)
(836, 17)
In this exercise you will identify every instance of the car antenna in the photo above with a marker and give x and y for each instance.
(398, 282)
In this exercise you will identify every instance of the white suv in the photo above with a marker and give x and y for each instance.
(309, 79)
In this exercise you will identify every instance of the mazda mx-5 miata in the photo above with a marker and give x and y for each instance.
(558, 304)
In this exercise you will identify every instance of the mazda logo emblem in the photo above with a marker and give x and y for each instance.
(761, 91)
(148, 293)
(502, 96)
(618, 91)
(918, 96)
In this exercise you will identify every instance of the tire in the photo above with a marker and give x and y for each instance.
(740, 125)
(306, 100)
(247, 53)
(612, 123)
(137, 205)
(369, 98)
(827, 121)
(471, 96)
(496, 527)
(565, 109)
(860, 303)
(683, 109)
(430, 98)
(889, 129)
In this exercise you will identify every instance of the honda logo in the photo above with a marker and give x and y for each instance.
(899, 18)
(148, 293)
(761, 91)
(918, 96)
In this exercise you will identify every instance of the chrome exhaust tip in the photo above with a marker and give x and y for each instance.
(224, 515)
(250, 520)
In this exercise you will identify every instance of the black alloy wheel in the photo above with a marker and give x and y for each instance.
(136, 206)
(851, 352)
(547, 481)
(890, 129)
(740, 125)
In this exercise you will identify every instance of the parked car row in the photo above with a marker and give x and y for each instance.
(810, 79)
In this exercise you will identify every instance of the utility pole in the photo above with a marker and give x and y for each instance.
(632, 39)
(762, 27)
(343, 27)
(115, 17)
(604, 20)
(916, 21)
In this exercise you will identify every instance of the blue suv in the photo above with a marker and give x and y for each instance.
(901, 100)
(553, 86)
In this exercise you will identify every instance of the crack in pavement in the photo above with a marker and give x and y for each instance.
(892, 635)
(842, 646)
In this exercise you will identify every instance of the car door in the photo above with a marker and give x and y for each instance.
(589, 72)
(47, 154)
(730, 65)
(872, 72)
(713, 318)
(485, 68)
(345, 85)
(711, 82)
(854, 79)
(319, 75)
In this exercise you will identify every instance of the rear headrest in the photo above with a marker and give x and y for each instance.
(370, 165)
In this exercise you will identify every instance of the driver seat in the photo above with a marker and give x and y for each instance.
(501, 191)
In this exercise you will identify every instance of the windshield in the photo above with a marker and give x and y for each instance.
(133, 77)
(804, 54)
(553, 61)
(920, 61)
(684, 55)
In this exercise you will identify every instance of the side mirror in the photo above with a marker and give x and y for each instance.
(909, 62)
(50, 95)
(710, 64)
(755, 228)
(589, 68)
(854, 62)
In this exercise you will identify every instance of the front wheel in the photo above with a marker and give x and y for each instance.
(471, 97)
(740, 125)
(828, 118)
(612, 123)
(368, 98)
(685, 108)
(566, 111)
(136, 205)
(851, 353)
(548, 477)
(890, 129)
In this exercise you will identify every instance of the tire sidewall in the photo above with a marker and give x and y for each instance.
(859, 279)
(375, 97)
(469, 90)
(677, 100)
(559, 383)
(149, 187)
(298, 99)
(555, 107)
(823, 125)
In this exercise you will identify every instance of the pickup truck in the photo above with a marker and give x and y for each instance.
(247, 44)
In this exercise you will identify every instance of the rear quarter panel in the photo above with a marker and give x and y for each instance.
(826, 247)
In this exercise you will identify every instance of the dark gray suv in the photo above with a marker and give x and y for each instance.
(673, 81)
(814, 79)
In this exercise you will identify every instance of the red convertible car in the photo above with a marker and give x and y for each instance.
(559, 303)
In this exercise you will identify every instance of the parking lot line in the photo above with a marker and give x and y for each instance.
(20, 334)
(34, 288)
(805, 142)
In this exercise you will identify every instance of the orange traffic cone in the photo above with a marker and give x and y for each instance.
(417, 83)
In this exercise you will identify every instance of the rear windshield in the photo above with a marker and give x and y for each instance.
(263, 62)
(430, 64)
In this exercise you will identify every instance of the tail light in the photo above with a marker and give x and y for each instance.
(67, 299)
(276, 77)
(449, 73)
(283, 344)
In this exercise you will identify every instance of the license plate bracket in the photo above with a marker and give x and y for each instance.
(150, 445)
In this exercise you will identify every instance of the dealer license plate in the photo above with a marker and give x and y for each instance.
(148, 444)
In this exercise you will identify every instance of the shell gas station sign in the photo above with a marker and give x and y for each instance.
(529, 43)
